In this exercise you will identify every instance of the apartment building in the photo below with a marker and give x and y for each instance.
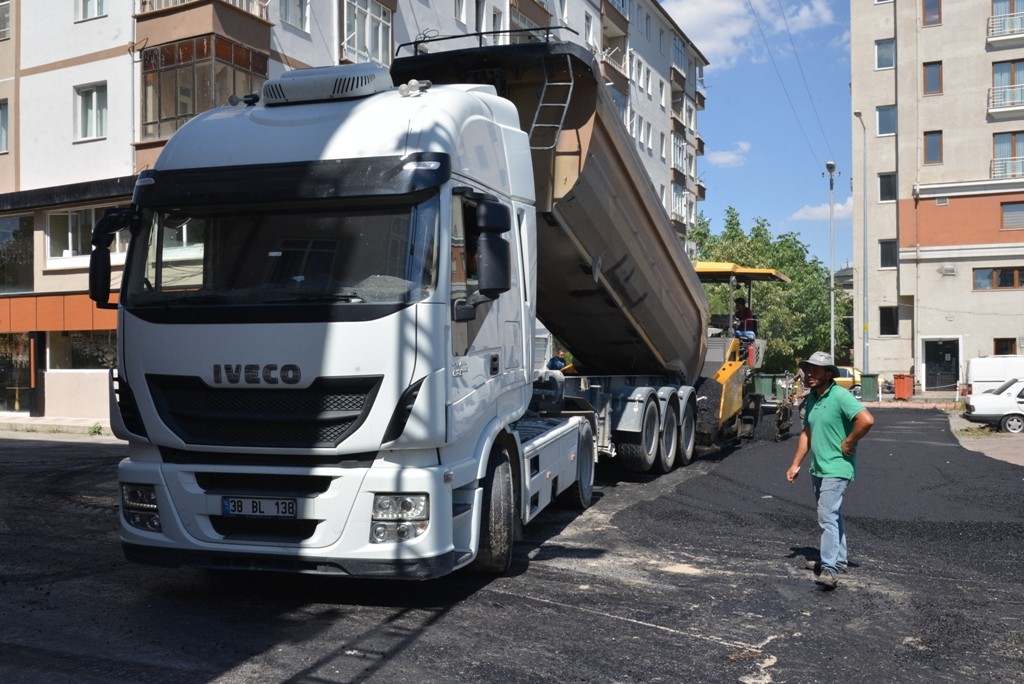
(938, 178)
(90, 90)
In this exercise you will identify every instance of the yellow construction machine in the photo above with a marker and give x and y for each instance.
(730, 405)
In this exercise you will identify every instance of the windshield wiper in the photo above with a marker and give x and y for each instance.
(331, 297)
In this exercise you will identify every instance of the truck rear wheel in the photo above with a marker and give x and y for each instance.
(497, 518)
(688, 433)
(668, 445)
(639, 449)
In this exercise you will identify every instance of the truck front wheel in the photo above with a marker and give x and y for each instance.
(497, 518)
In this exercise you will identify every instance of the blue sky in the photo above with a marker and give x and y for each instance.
(778, 108)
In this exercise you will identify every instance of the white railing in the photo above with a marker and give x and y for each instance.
(255, 7)
(1008, 167)
(1006, 25)
(1006, 96)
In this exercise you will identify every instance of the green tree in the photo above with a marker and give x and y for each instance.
(792, 316)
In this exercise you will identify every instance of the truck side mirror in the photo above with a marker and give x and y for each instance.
(113, 220)
(494, 254)
(491, 258)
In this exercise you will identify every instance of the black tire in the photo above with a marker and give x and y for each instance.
(688, 435)
(855, 391)
(638, 450)
(581, 493)
(497, 518)
(1012, 423)
(668, 445)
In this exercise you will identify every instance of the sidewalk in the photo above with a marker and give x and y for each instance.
(16, 421)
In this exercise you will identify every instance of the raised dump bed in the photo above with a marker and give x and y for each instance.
(614, 283)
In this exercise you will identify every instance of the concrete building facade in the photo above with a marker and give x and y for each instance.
(938, 180)
(90, 91)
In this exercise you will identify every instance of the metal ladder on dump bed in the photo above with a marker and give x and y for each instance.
(555, 96)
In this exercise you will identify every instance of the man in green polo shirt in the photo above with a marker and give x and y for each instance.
(834, 421)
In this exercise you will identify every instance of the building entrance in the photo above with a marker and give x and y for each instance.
(941, 365)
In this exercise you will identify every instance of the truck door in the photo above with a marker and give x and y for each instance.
(487, 346)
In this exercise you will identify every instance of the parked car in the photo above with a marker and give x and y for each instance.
(1002, 406)
(849, 378)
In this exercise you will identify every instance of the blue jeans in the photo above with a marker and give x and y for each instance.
(828, 493)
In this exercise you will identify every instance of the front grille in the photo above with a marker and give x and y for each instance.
(322, 415)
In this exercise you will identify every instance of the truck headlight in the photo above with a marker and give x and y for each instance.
(138, 502)
(399, 517)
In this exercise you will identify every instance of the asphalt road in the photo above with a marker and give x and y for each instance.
(695, 576)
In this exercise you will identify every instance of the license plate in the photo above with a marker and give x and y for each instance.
(257, 507)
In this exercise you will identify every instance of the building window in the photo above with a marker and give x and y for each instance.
(678, 152)
(932, 15)
(999, 278)
(886, 119)
(368, 32)
(588, 30)
(82, 349)
(933, 78)
(887, 187)
(68, 233)
(16, 254)
(1007, 84)
(182, 79)
(3, 126)
(89, 9)
(294, 12)
(1013, 215)
(1004, 345)
(1008, 155)
(885, 54)
(91, 112)
(5, 19)
(888, 254)
(933, 147)
(888, 320)
(460, 10)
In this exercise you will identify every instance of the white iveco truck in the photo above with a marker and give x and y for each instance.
(326, 317)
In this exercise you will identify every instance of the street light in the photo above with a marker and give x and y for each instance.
(830, 167)
(865, 364)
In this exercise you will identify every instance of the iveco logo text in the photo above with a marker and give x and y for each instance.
(255, 374)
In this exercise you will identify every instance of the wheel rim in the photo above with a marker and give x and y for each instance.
(669, 439)
(1014, 424)
(689, 433)
(650, 430)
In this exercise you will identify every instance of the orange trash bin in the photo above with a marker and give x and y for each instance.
(903, 386)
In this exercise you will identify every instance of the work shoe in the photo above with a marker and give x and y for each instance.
(816, 566)
(827, 579)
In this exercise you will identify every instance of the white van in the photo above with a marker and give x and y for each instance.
(988, 372)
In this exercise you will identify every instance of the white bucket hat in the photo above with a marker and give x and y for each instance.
(822, 359)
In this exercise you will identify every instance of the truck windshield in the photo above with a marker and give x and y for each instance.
(346, 256)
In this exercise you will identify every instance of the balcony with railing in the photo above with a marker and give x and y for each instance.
(1003, 100)
(1006, 29)
(257, 8)
(1007, 167)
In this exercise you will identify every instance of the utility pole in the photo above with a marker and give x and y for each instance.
(830, 167)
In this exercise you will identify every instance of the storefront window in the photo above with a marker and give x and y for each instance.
(15, 372)
(82, 350)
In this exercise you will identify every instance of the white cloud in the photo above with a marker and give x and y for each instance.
(726, 32)
(737, 156)
(820, 212)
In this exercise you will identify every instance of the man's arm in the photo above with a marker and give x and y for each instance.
(803, 445)
(862, 423)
